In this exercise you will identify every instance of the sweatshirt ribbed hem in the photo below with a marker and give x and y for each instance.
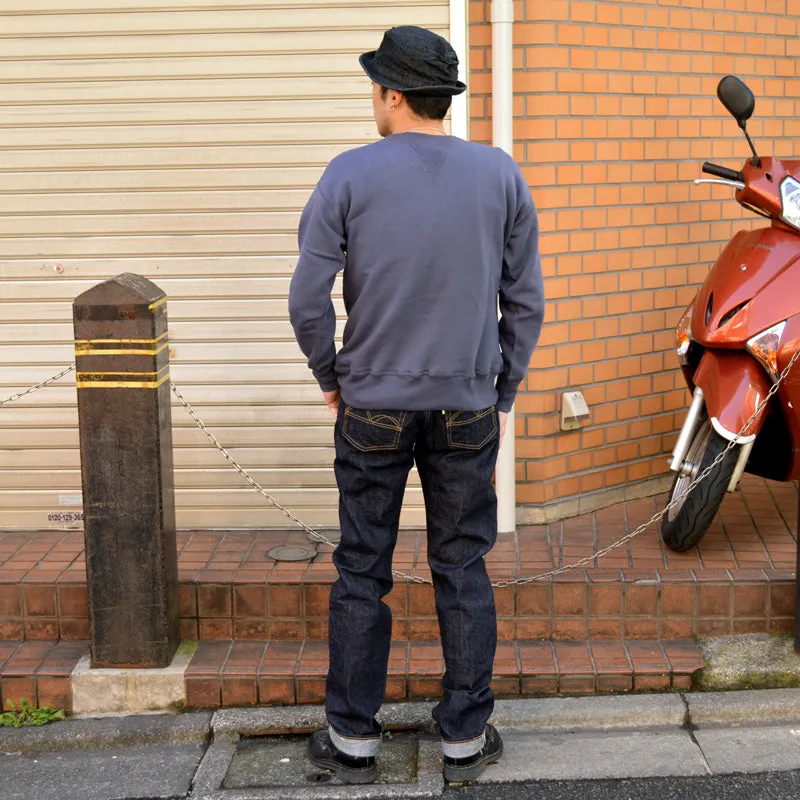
(418, 392)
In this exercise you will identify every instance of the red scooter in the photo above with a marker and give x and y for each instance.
(735, 339)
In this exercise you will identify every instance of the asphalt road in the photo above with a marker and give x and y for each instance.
(764, 786)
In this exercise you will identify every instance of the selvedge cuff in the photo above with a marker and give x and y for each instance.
(354, 747)
(464, 749)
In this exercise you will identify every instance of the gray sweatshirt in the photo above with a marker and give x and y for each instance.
(430, 231)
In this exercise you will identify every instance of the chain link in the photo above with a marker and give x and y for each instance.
(38, 386)
(518, 581)
(316, 535)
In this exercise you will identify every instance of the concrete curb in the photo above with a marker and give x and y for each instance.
(617, 712)
(551, 714)
(103, 732)
(754, 707)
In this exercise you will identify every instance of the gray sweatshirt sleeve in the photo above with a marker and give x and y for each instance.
(521, 301)
(322, 241)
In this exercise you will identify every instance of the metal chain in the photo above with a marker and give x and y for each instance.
(518, 581)
(38, 386)
(416, 578)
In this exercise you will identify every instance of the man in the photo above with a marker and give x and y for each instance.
(430, 231)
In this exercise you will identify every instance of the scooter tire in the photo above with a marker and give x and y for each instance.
(685, 530)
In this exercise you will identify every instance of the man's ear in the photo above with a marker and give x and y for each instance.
(395, 98)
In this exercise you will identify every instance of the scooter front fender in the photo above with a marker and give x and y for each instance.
(734, 385)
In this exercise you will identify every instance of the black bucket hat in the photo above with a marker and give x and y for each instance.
(414, 61)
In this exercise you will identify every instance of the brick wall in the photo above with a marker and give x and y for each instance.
(615, 110)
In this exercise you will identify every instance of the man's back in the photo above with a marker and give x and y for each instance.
(423, 224)
(433, 234)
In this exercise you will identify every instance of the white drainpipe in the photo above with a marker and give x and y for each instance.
(503, 136)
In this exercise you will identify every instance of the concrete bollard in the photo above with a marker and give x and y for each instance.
(122, 357)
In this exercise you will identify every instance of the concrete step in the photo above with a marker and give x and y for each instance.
(247, 673)
(242, 673)
(741, 579)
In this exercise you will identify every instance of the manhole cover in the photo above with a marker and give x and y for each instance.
(292, 553)
(333, 536)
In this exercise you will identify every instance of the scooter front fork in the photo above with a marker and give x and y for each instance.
(694, 419)
(690, 427)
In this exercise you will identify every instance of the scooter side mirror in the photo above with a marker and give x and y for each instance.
(737, 98)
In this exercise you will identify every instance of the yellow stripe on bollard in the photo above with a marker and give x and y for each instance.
(138, 380)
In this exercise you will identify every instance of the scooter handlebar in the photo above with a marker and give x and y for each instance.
(722, 172)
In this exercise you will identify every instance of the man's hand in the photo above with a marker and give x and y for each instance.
(332, 400)
(503, 424)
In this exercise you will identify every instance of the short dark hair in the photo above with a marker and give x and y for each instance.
(424, 106)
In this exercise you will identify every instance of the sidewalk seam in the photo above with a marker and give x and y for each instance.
(690, 729)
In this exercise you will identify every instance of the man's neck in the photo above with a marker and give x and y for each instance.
(432, 127)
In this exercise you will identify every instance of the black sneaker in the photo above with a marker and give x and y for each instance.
(349, 769)
(459, 770)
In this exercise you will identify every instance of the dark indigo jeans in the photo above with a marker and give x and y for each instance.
(455, 453)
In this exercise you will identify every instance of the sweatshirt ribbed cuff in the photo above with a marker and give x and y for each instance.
(329, 382)
(505, 403)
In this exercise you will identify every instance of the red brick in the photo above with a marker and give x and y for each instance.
(276, 691)
(214, 600)
(40, 601)
(310, 690)
(10, 600)
(239, 690)
(202, 692)
(55, 692)
(250, 601)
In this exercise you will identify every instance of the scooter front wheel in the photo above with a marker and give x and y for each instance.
(685, 524)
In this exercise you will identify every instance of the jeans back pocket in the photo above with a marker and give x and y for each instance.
(373, 430)
(471, 430)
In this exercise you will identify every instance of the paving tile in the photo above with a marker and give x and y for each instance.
(214, 600)
(55, 692)
(285, 601)
(15, 689)
(27, 658)
(209, 659)
(605, 600)
(39, 600)
(10, 600)
(62, 659)
(647, 657)
(43, 629)
(640, 601)
(743, 571)
(202, 692)
(250, 601)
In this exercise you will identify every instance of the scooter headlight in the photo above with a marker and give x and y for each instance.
(790, 202)
(683, 336)
(765, 346)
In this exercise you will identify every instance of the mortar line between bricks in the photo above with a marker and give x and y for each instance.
(244, 558)
(728, 542)
(758, 532)
(555, 663)
(39, 561)
(785, 521)
(630, 660)
(628, 549)
(550, 547)
(594, 665)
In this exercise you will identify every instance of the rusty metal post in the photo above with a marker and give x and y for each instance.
(122, 357)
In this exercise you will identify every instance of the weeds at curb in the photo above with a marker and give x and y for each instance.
(27, 714)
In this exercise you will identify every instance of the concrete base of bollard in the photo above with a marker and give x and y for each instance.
(117, 691)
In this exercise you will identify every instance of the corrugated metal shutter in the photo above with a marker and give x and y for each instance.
(178, 139)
